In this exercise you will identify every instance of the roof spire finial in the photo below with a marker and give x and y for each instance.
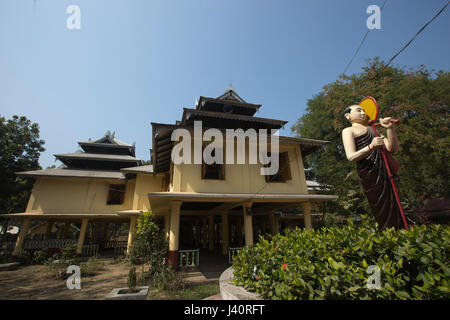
(230, 87)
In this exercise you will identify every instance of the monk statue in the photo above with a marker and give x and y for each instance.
(363, 147)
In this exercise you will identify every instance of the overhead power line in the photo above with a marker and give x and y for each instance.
(360, 45)
(417, 33)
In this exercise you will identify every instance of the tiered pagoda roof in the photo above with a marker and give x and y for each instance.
(228, 111)
(103, 158)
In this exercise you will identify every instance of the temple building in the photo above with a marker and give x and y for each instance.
(202, 207)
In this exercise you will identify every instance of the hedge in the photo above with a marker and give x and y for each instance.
(333, 263)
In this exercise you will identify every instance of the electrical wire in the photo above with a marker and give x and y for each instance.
(362, 41)
(380, 71)
(417, 33)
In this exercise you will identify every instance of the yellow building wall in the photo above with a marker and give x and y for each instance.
(242, 178)
(145, 183)
(66, 195)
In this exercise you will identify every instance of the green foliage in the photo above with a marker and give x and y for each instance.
(149, 246)
(420, 99)
(132, 280)
(92, 266)
(57, 266)
(193, 291)
(167, 279)
(69, 252)
(20, 148)
(40, 256)
(332, 263)
(24, 257)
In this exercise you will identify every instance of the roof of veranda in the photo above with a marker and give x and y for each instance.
(215, 202)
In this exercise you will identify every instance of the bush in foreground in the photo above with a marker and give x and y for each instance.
(333, 263)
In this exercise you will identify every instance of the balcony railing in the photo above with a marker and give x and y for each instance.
(48, 244)
(189, 258)
(90, 249)
(121, 247)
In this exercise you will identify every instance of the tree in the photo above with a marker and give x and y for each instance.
(418, 98)
(20, 148)
(149, 246)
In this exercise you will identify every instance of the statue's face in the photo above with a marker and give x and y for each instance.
(357, 114)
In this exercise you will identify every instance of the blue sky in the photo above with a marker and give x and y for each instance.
(139, 61)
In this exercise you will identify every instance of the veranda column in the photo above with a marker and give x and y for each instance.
(204, 234)
(306, 208)
(211, 232)
(273, 224)
(248, 223)
(133, 221)
(84, 224)
(22, 234)
(174, 233)
(225, 233)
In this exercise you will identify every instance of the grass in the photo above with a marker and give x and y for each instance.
(195, 291)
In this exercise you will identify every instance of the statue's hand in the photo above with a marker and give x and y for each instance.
(385, 122)
(377, 142)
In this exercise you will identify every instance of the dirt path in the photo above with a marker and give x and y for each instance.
(36, 283)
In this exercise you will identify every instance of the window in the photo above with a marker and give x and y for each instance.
(213, 171)
(284, 170)
(116, 194)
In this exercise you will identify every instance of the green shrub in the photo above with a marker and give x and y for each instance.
(91, 266)
(24, 257)
(149, 246)
(69, 252)
(167, 279)
(332, 263)
(40, 256)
